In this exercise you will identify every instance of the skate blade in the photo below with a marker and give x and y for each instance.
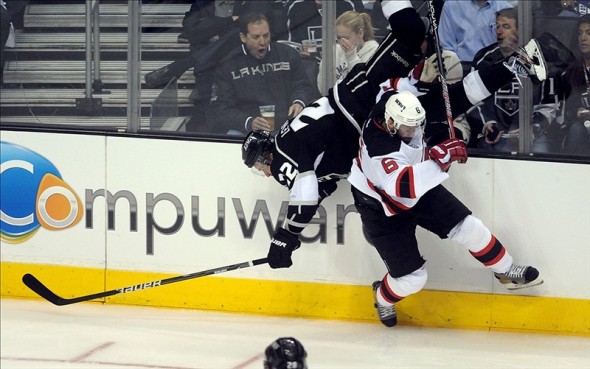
(513, 286)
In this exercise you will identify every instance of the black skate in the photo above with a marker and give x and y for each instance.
(387, 314)
(528, 62)
(519, 276)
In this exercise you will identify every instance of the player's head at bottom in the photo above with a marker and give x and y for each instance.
(285, 353)
(257, 151)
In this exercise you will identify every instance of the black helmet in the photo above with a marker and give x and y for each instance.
(285, 353)
(256, 148)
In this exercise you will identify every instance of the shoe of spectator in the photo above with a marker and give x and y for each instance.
(182, 38)
(158, 78)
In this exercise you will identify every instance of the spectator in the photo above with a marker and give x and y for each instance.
(304, 18)
(576, 100)
(497, 117)
(209, 18)
(210, 26)
(6, 33)
(467, 26)
(355, 43)
(259, 73)
(569, 8)
(16, 11)
(574, 8)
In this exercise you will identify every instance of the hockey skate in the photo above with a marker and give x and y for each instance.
(519, 276)
(387, 314)
(528, 62)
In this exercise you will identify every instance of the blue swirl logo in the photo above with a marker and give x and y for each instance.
(33, 195)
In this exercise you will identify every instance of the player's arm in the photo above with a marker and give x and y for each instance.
(304, 200)
(303, 203)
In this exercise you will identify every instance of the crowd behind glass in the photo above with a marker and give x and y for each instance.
(288, 57)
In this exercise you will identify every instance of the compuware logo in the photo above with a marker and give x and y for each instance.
(33, 195)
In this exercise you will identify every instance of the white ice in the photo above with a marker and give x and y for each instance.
(38, 335)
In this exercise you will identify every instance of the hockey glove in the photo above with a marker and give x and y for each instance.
(447, 152)
(430, 70)
(282, 245)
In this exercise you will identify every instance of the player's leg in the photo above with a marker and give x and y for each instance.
(396, 55)
(394, 238)
(481, 83)
(443, 214)
(489, 251)
(401, 49)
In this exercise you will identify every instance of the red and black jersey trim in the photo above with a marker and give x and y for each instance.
(394, 207)
(491, 254)
(405, 183)
(388, 294)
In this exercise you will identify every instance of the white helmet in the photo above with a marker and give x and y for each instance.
(404, 108)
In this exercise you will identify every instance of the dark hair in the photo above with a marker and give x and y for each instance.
(584, 19)
(510, 13)
(576, 70)
(250, 18)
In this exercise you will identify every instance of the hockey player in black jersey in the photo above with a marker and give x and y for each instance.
(314, 151)
(396, 185)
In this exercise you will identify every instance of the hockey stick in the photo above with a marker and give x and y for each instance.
(40, 289)
(441, 68)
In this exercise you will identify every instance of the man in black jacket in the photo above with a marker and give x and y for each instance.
(496, 120)
(259, 72)
(211, 28)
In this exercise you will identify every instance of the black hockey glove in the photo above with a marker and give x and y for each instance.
(282, 245)
(327, 188)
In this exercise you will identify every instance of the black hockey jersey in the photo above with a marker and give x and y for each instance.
(315, 150)
(312, 153)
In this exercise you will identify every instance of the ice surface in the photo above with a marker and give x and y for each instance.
(38, 335)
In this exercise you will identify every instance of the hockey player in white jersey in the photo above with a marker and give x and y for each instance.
(397, 186)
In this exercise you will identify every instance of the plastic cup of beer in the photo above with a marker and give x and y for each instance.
(310, 47)
(268, 112)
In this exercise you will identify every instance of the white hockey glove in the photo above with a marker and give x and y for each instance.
(451, 63)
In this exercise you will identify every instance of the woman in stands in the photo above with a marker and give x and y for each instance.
(355, 37)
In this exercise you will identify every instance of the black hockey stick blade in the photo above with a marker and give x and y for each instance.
(40, 289)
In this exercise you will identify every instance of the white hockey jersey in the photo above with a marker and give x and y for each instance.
(393, 172)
